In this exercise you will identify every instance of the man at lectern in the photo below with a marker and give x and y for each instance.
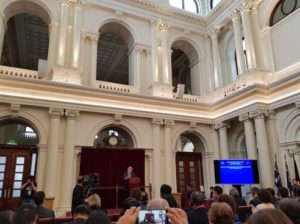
(126, 176)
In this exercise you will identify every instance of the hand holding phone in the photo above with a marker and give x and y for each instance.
(157, 216)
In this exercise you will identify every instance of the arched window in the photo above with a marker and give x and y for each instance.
(214, 3)
(188, 5)
(283, 9)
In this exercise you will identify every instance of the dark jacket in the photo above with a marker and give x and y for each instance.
(43, 212)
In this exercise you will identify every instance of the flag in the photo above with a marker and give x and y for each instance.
(278, 182)
(288, 177)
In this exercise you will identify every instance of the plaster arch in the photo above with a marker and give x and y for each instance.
(203, 136)
(191, 49)
(288, 126)
(266, 12)
(132, 131)
(121, 22)
(36, 123)
(35, 7)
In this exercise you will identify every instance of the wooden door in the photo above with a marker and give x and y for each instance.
(15, 168)
(188, 173)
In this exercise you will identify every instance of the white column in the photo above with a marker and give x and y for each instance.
(2, 33)
(238, 40)
(53, 142)
(216, 58)
(40, 169)
(137, 68)
(168, 153)
(223, 139)
(265, 167)
(155, 77)
(216, 141)
(249, 135)
(249, 42)
(165, 54)
(63, 29)
(208, 171)
(51, 59)
(156, 173)
(209, 65)
(68, 159)
(93, 63)
(76, 34)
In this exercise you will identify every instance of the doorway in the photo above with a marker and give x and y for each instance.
(17, 163)
(189, 174)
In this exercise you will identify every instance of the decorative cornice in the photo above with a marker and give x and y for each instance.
(213, 33)
(118, 117)
(258, 114)
(92, 36)
(76, 3)
(157, 122)
(234, 14)
(246, 6)
(222, 125)
(193, 124)
(15, 108)
(56, 112)
(244, 117)
(72, 114)
(168, 122)
(163, 26)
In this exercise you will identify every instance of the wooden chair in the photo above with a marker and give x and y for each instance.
(244, 212)
(45, 221)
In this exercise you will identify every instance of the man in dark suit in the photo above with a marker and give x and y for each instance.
(41, 211)
(81, 214)
(125, 177)
(78, 197)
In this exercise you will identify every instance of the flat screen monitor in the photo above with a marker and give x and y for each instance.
(236, 172)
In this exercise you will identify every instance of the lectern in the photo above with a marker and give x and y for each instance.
(133, 183)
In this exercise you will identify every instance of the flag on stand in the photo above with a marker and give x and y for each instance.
(288, 177)
(278, 182)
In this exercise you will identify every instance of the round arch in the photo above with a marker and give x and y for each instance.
(130, 129)
(266, 13)
(198, 132)
(12, 7)
(289, 126)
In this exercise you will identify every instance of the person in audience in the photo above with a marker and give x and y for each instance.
(127, 204)
(26, 214)
(94, 203)
(27, 190)
(171, 200)
(165, 189)
(136, 193)
(220, 213)
(189, 201)
(217, 191)
(239, 201)
(41, 211)
(144, 200)
(211, 192)
(157, 203)
(274, 199)
(81, 214)
(78, 197)
(231, 202)
(296, 193)
(7, 217)
(291, 208)
(98, 217)
(269, 216)
(255, 199)
(282, 193)
(198, 214)
(130, 216)
(266, 199)
(177, 216)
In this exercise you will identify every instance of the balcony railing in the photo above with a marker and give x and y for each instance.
(18, 72)
(115, 87)
(188, 98)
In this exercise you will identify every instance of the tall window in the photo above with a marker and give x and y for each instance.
(283, 9)
(188, 5)
(214, 3)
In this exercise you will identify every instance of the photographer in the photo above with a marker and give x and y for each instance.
(27, 190)
(78, 197)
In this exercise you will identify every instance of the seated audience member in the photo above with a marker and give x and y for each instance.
(274, 199)
(220, 213)
(171, 200)
(231, 202)
(130, 216)
(177, 216)
(144, 200)
(157, 203)
(217, 191)
(41, 211)
(165, 189)
(198, 214)
(136, 193)
(94, 203)
(291, 208)
(283, 192)
(296, 193)
(128, 203)
(189, 203)
(26, 214)
(239, 201)
(97, 217)
(266, 199)
(269, 216)
(7, 217)
(81, 214)
(255, 201)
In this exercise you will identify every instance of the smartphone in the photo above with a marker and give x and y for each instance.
(153, 217)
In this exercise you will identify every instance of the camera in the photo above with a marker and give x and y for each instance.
(91, 180)
(153, 217)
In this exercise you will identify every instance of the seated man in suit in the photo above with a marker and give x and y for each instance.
(41, 211)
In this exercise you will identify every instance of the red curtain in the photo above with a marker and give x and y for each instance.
(111, 163)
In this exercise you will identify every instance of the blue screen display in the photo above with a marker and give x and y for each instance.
(236, 172)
